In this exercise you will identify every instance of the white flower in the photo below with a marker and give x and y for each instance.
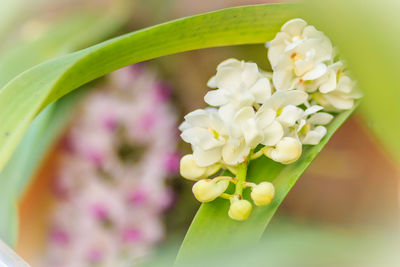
(284, 105)
(298, 55)
(191, 171)
(341, 97)
(212, 139)
(287, 151)
(308, 132)
(258, 127)
(239, 84)
(207, 133)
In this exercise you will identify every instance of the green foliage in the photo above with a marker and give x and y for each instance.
(23, 98)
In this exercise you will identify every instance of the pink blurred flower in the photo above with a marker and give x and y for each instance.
(109, 210)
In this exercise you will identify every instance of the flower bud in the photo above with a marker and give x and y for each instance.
(287, 151)
(263, 193)
(190, 170)
(207, 190)
(240, 209)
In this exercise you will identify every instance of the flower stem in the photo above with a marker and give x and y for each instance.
(241, 178)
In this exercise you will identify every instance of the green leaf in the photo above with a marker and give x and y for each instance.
(212, 230)
(19, 170)
(23, 98)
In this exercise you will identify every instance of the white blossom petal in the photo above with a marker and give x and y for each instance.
(316, 72)
(290, 114)
(313, 137)
(233, 154)
(216, 97)
(212, 82)
(313, 109)
(320, 118)
(204, 158)
(283, 80)
(294, 27)
(339, 102)
(261, 90)
(265, 117)
(272, 134)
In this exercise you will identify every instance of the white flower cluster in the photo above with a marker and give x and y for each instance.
(256, 113)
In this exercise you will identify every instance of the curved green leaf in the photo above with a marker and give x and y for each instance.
(23, 97)
(212, 231)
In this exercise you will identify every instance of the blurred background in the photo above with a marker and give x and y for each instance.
(97, 190)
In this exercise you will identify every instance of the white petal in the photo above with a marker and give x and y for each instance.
(272, 134)
(283, 98)
(345, 84)
(231, 62)
(233, 155)
(228, 78)
(277, 47)
(339, 102)
(245, 118)
(227, 112)
(265, 116)
(250, 74)
(216, 97)
(212, 82)
(201, 137)
(329, 82)
(313, 137)
(252, 135)
(261, 90)
(316, 72)
(295, 98)
(290, 114)
(287, 151)
(204, 158)
(313, 109)
(199, 117)
(294, 27)
(320, 118)
(283, 80)
(244, 114)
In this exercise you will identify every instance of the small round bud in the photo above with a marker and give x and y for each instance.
(207, 190)
(287, 151)
(240, 209)
(190, 170)
(263, 193)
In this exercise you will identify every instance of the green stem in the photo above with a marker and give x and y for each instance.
(241, 177)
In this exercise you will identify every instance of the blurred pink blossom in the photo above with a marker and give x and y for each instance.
(110, 186)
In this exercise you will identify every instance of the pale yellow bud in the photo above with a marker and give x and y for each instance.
(207, 190)
(287, 151)
(190, 170)
(240, 209)
(263, 193)
(212, 169)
